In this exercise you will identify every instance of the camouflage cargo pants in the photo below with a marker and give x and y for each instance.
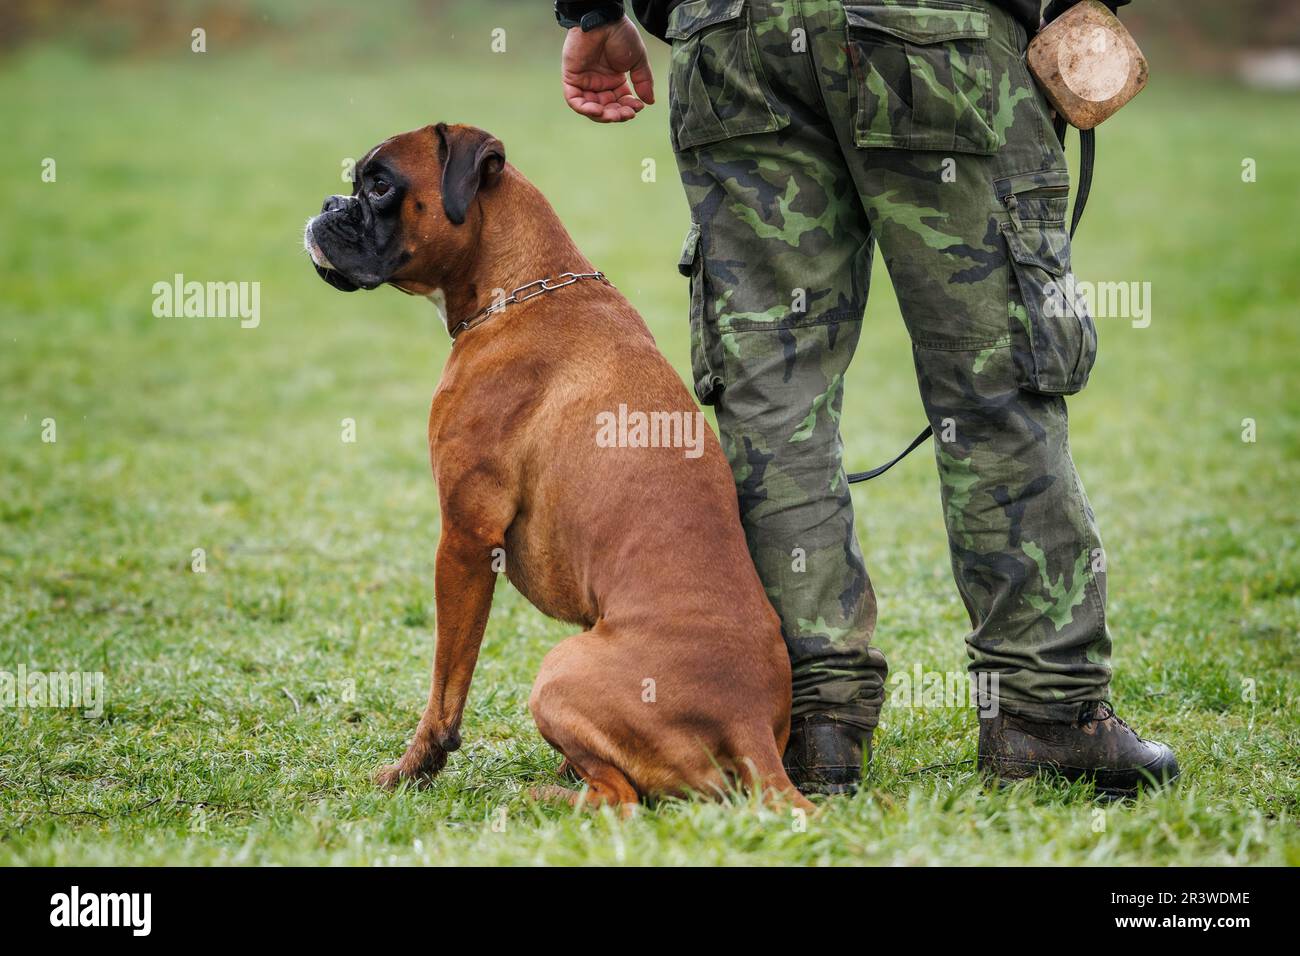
(806, 131)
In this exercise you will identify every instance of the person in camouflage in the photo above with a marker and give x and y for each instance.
(807, 131)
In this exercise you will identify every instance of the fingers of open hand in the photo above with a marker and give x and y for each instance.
(643, 81)
(604, 106)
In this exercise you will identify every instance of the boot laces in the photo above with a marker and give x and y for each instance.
(1101, 711)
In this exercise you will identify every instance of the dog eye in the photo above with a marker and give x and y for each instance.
(380, 189)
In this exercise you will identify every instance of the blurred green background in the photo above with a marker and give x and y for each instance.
(248, 704)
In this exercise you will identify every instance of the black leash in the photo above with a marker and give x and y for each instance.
(855, 477)
(1087, 158)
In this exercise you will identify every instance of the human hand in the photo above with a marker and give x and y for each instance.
(595, 67)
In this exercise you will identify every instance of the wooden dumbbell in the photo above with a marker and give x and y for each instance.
(1087, 64)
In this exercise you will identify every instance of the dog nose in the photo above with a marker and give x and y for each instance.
(332, 203)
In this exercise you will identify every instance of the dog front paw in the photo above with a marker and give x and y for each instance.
(419, 773)
(389, 777)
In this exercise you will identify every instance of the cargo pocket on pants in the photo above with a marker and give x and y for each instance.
(706, 342)
(924, 78)
(716, 85)
(1053, 338)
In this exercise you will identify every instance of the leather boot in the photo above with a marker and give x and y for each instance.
(1098, 746)
(825, 754)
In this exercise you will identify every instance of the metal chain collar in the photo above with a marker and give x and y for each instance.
(525, 292)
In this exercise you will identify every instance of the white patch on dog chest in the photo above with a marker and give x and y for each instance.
(439, 300)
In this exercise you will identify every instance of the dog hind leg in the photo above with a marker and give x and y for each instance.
(763, 772)
(607, 786)
(559, 701)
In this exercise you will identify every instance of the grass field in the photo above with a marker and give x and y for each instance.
(247, 705)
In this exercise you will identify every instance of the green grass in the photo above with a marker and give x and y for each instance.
(248, 705)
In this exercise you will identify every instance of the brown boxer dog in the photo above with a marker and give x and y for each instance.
(680, 682)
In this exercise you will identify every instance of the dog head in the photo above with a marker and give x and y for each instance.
(414, 213)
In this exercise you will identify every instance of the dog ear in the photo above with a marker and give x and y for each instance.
(471, 160)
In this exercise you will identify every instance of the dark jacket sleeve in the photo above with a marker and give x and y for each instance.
(653, 14)
(1057, 7)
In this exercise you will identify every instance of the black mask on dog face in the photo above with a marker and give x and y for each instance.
(354, 243)
(416, 210)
